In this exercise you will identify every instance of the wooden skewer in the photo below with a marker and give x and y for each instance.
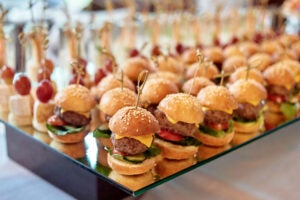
(142, 76)
(22, 40)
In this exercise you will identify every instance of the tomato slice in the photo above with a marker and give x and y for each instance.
(55, 121)
(115, 151)
(167, 135)
(218, 126)
(276, 98)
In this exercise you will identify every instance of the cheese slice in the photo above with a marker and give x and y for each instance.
(227, 111)
(145, 139)
(254, 103)
(173, 121)
(86, 114)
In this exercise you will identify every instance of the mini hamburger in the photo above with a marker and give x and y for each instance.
(179, 116)
(155, 90)
(194, 85)
(112, 101)
(250, 95)
(244, 72)
(280, 84)
(71, 119)
(133, 130)
(133, 66)
(218, 105)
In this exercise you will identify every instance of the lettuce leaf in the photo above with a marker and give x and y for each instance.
(98, 133)
(64, 130)
(289, 110)
(216, 133)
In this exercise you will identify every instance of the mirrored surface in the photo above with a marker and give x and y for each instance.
(91, 154)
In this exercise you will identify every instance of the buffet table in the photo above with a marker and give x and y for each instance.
(265, 169)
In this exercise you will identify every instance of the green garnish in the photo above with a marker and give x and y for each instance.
(289, 110)
(64, 130)
(216, 133)
(97, 133)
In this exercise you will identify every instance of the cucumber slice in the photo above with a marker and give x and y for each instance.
(136, 158)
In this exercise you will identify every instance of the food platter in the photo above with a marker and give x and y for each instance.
(30, 149)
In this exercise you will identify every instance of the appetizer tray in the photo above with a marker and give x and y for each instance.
(79, 169)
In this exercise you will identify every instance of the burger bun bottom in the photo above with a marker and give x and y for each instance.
(126, 168)
(175, 152)
(209, 140)
(241, 137)
(70, 138)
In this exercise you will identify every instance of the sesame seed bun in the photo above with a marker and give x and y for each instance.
(132, 121)
(217, 98)
(75, 98)
(271, 47)
(260, 60)
(189, 56)
(248, 91)
(214, 54)
(232, 50)
(249, 48)
(182, 107)
(279, 75)
(210, 72)
(175, 78)
(194, 85)
(241, 73)
(115, 99)
(132, 67)
(113, 81)
(156, 89)
(233, 62)
(167, 63)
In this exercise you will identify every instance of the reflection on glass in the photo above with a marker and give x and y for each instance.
(205, 152)
(43, 137)
(75, 150)
(91, 154)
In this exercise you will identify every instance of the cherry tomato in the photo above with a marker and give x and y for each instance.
(55, 121)
(115, 151)
(218, 126)
(22, 84)
(7, 74)
(276, 98)
(167, 135)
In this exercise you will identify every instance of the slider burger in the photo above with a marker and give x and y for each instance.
(280, 83)
(194, 85)
(155, 90)
(112, 101)
(244, 72)
(133, 66)
(250, 95)
(133, 130)
(71, 119)
(179, 116)
(112, 81)
(218, 105)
